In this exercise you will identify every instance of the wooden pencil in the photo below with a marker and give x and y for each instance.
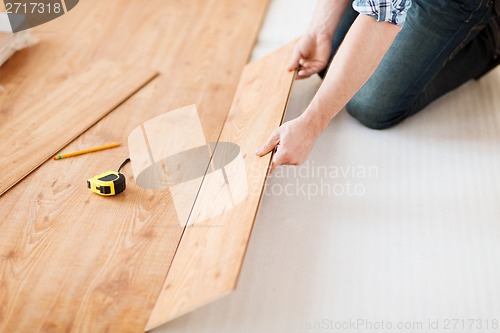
(85, 151)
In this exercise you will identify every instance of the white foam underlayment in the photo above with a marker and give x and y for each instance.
(419, 241)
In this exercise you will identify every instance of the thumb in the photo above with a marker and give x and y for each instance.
(278, 159)
(273, 140)
(294, 61)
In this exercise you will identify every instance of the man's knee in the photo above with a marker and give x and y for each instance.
(373, 113)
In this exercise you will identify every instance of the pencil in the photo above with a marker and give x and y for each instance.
(85, 151)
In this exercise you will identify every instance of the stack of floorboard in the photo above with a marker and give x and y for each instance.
(75, 261)
(10, 43)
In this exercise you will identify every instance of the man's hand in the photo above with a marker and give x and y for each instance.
(311, 54)
(293, 142)
(363, 48)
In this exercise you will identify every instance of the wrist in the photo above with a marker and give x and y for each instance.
(319, 32)
(313, 122)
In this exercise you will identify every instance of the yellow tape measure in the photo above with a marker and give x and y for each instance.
(108, 183)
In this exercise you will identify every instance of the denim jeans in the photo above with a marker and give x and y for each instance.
(443, 44)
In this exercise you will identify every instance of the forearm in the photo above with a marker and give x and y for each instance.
(356, 60)
(327, 16)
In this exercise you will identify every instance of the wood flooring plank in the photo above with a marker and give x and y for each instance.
(58, 117)
(209, 258)
(76, 262)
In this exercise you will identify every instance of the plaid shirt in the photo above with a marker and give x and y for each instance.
(393, 11)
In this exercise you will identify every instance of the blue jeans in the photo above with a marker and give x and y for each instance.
(443, 44)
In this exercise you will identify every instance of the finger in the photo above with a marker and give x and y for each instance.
(272, 167)
(306, 72)
(269, 145)
(298, 77)
(304, 64)
(294, 61)
(312, 63)
(279, 158)
(302, 75)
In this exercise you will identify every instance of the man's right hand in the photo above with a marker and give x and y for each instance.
(311, 54)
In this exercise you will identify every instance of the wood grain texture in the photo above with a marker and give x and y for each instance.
(209, 258)
(57, 118)
(76, 262)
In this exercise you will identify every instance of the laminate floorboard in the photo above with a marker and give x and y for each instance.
(210, 254)
(54, 120)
